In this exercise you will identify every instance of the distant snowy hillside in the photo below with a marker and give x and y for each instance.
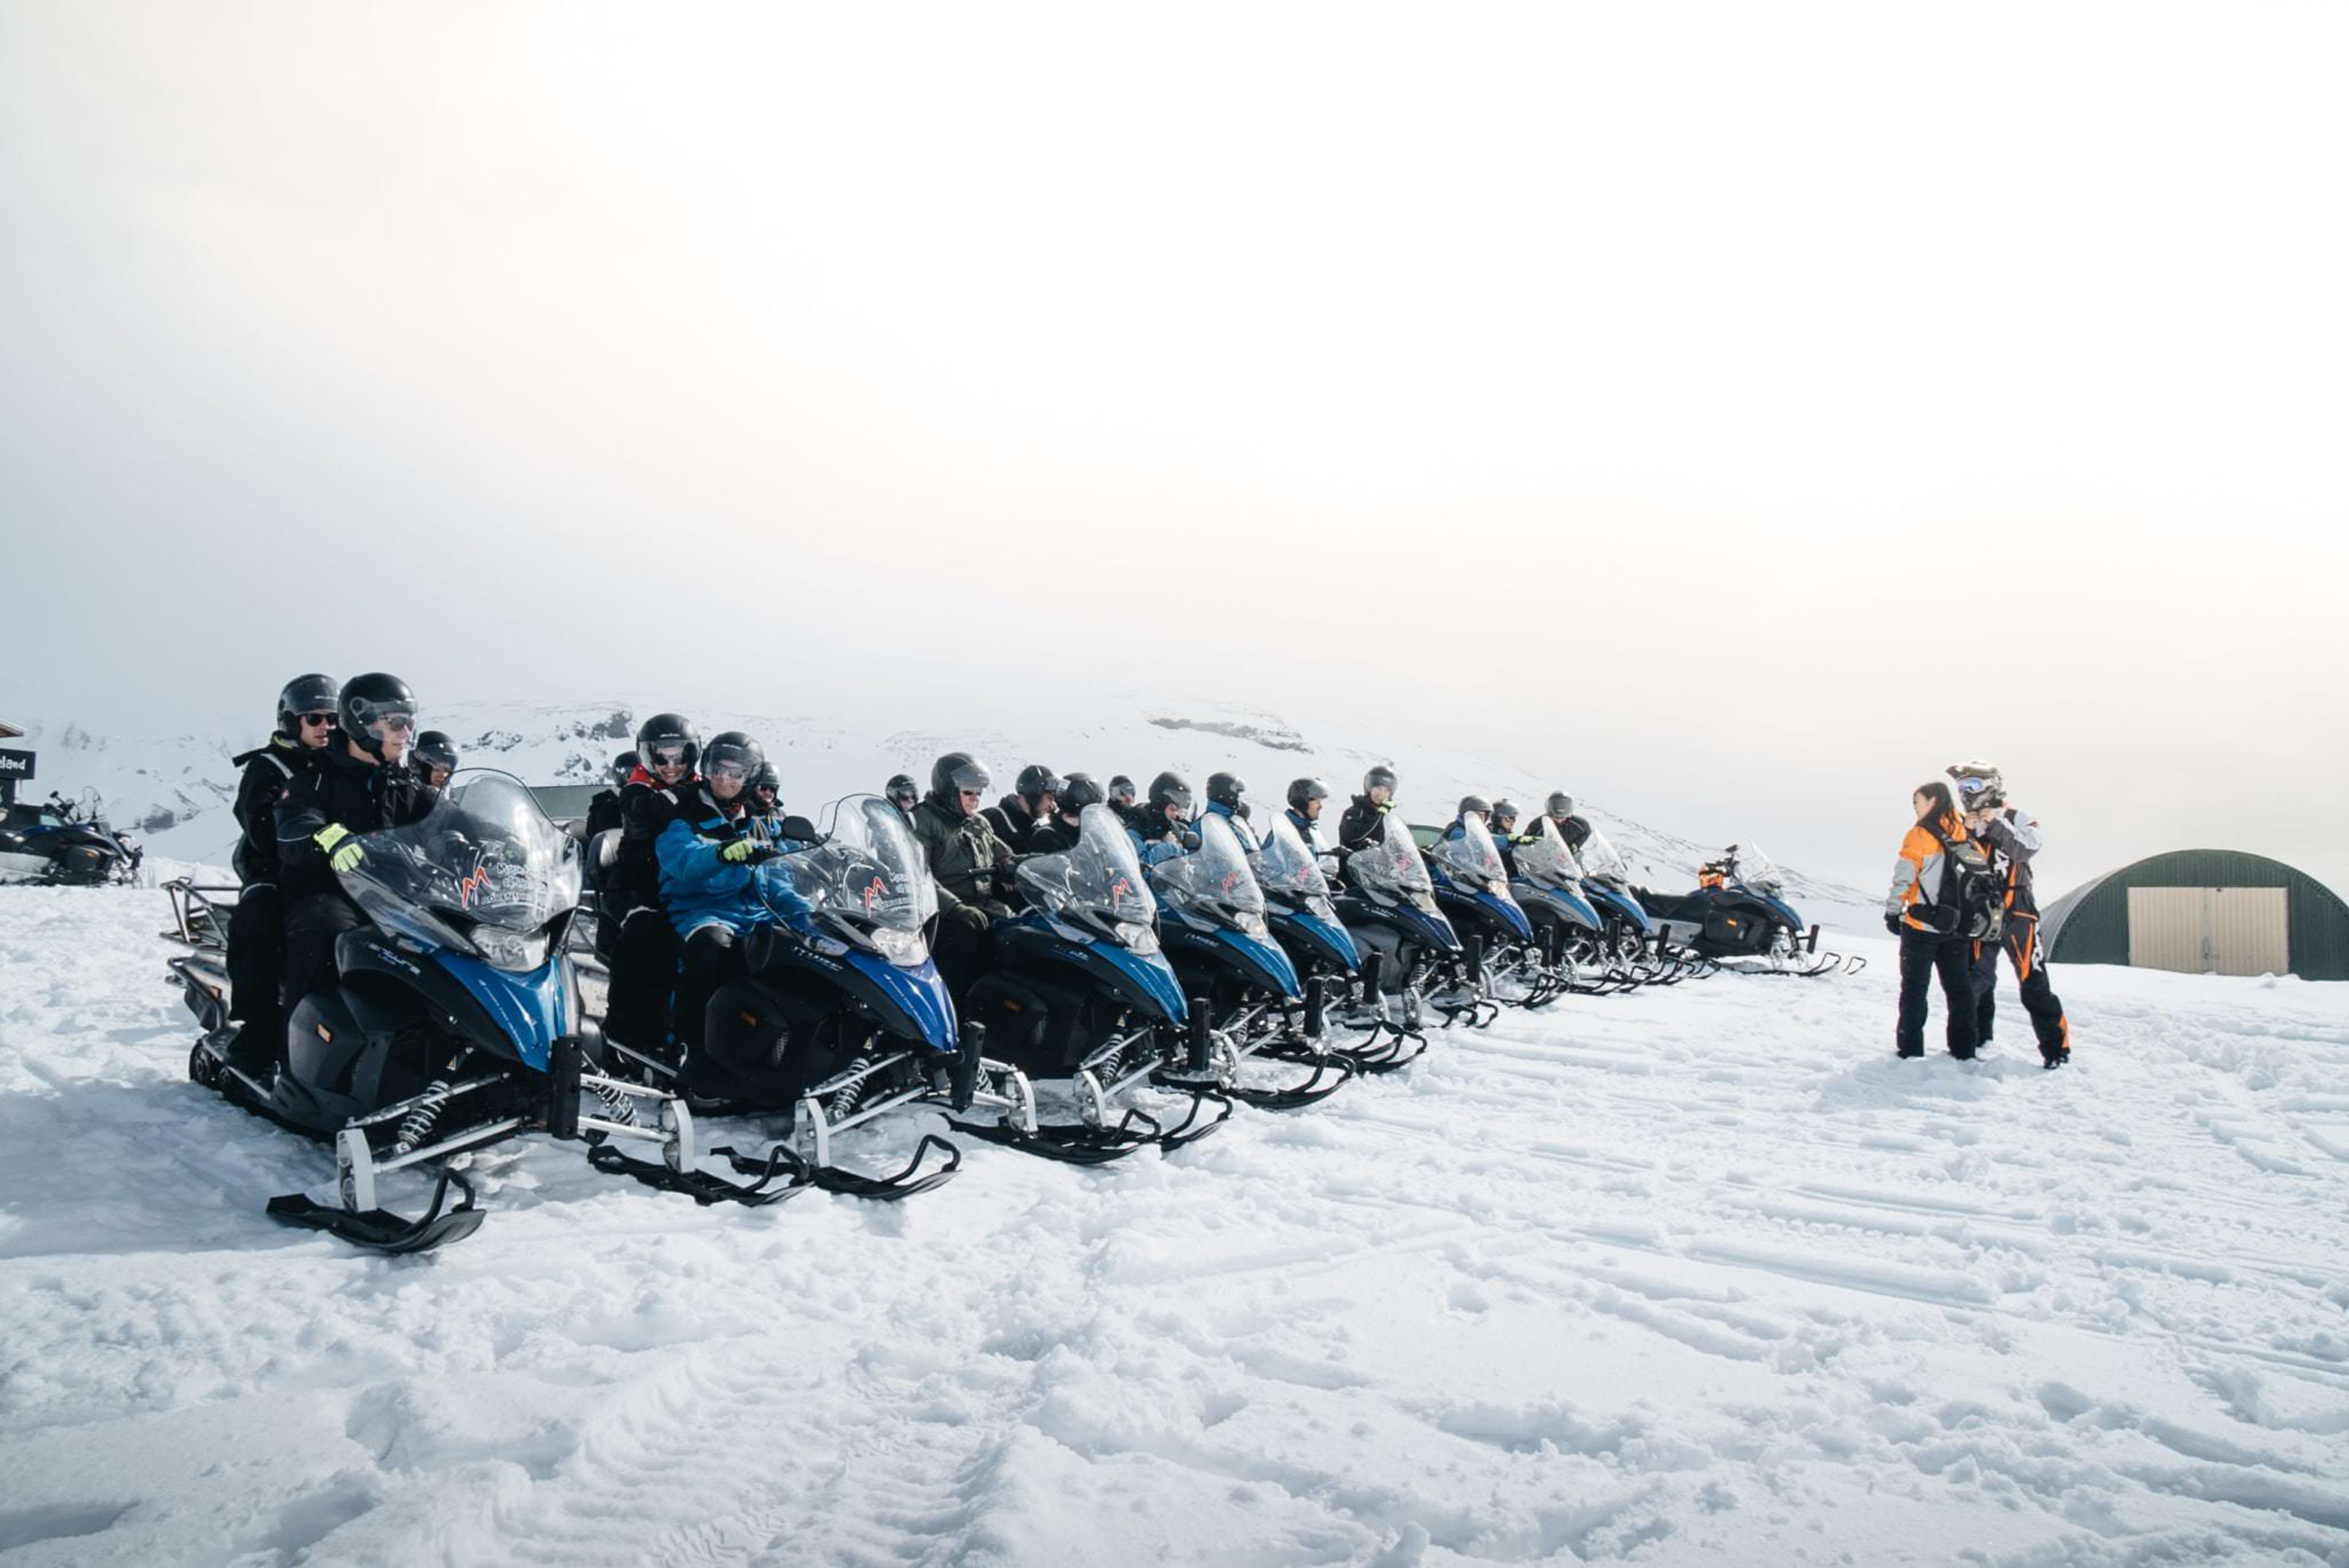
(176, 789)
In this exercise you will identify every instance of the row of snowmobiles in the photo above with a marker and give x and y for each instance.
(1121, 1008)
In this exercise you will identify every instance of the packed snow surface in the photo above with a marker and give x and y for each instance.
(1684, 1275)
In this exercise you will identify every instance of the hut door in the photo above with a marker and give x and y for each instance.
(2209, 930)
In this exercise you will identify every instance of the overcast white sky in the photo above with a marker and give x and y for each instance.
(1750, 408)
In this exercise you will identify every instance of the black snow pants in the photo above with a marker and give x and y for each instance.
(2039, 999)
(643, 973)
(312, 925)
(1924, 955)
(713, 955)
(256, 970)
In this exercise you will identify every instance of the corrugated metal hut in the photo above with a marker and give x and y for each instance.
(2203, 911)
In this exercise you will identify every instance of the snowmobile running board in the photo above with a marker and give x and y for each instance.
(381, 1230)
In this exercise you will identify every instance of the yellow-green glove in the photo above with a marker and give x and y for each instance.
(343, 852)
(736, 852)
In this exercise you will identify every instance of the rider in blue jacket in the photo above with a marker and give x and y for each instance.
(708, 882)
(1160, 826)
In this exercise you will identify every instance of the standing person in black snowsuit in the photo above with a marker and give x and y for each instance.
(256, 928)
(644, 951)
(603, 809)
(2011, 837)
(360, 784)
(1015, 816)
(1930, 910)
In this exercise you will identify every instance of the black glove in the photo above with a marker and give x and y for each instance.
(764, 853)
(1190, 842)
(1892, 923)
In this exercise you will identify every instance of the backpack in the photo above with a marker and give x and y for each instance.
(1971, 885)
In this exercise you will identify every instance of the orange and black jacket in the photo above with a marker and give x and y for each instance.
(2012, 838)
(1916, 872)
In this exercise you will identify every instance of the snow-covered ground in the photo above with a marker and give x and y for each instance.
(1702, 1274)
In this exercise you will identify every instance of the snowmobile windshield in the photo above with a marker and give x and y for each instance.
(1547, 859)
(1215, 879)
(1098, 883)
(485, 855)
(1600, 862)
(1757, 870)
(1472, 857)
(1390, 863)
(1284, 866)
(867, 872)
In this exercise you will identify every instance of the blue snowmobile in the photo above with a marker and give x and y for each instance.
(455, 1022)
(65, 842)
(1472, 887)
(1079, 988)
(1212, 919)
(1300, 912)
(1568, 931)
(1388, 907)
(843, 1017)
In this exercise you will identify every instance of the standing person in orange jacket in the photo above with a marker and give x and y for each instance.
(1938, 879)
(2012, 837)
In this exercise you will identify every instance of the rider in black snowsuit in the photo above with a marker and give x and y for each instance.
(644, 947)
(361, 784)
(256, 929)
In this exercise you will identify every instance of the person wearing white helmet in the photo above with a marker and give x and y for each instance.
(2012, 836)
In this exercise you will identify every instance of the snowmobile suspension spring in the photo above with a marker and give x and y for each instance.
(416, 1125)
(616, 1105)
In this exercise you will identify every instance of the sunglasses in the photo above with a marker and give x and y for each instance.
(322, 720)
(388, 724)
(729, 771)
(669, 757)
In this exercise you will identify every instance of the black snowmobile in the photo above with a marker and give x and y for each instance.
(455, 1022)
(1740, 914)
(63, 842)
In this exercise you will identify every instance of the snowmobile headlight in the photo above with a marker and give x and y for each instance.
(512, 951)
(902, 948)
(1137, 937)
(1250, 922)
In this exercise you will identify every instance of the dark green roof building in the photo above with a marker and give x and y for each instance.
(2203, 911)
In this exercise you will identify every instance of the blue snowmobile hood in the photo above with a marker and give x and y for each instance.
(1316, 935)
(1566, 905)
(1488, 903)
(530, 1006)
(1269, 965)
(917, 991)
(1149, 973)
(1608, 900)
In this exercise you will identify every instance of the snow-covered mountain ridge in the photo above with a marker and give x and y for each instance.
(176, 790)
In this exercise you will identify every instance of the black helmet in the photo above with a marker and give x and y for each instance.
(1304, 792)
(435, 749)
(1037, 781)
(1078, 791)
(624, 768)
(1168, 789)
(1120, 789)
(305, 694)
(732, 750)
(765, 777)
(670, 733)
(902, 791)
(956, 772)
(1980, 786)
(1505, 814)
(1225, 790)
(367, 708)
(1559, 803)
(1381, 774)
(1469, 803)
